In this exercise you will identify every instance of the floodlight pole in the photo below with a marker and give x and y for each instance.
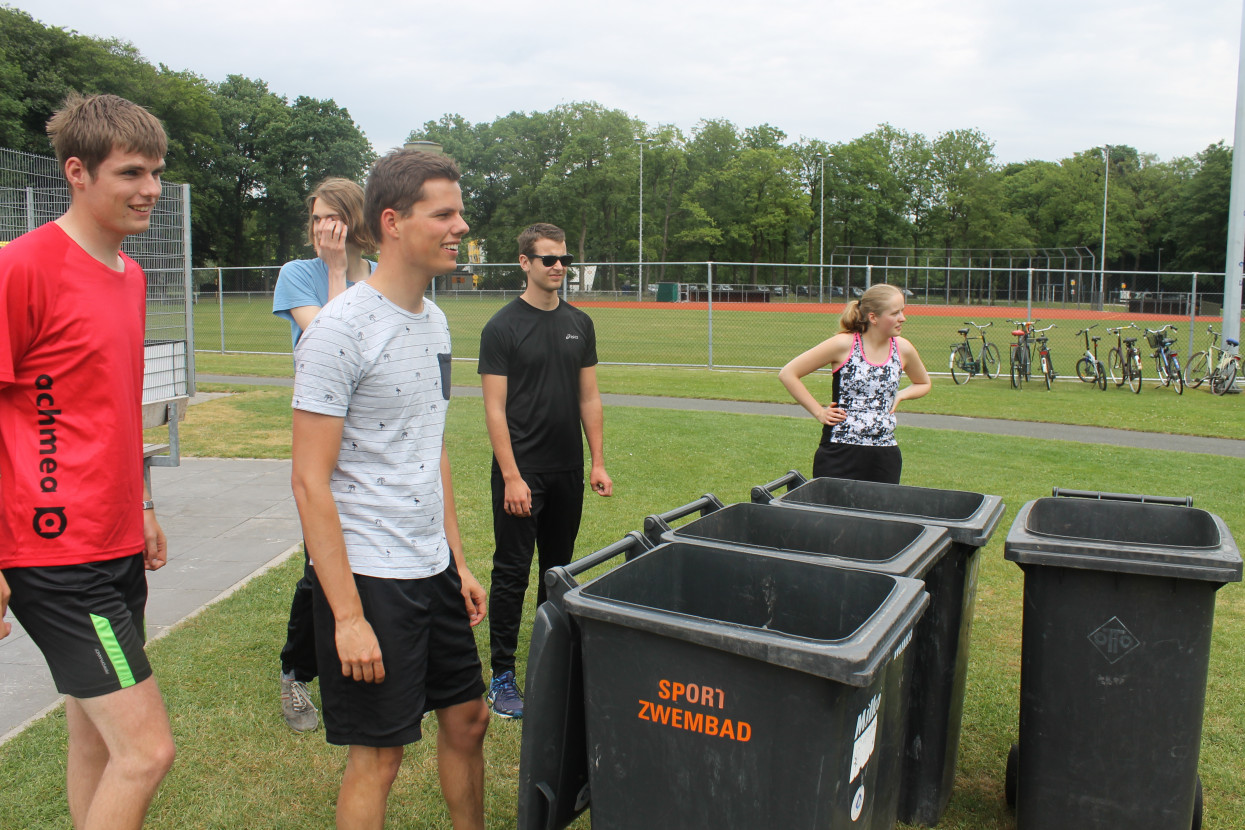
(642, 142)
(821, 235)
(1102, 264)
(1234, 267)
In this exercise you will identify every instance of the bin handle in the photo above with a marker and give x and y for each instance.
(1179, 501)
(764, 494)
(560, 579)
(659, 523)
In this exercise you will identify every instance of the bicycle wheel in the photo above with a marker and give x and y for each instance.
(1018, 374)
(1134, 372)
(1160, 369)
(1221, 382)
(1047, 374)
(959, 371)
(990, 361)
(1177, 378)
(1085, 370)
(1196, 372)
(1026, 363)
(1115, 364)
(1102, 375)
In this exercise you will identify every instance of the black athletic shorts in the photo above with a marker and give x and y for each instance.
(858, 462)
(428, 650)
(87, 620)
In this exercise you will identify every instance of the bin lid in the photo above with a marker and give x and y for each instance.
(845, 539)
(835, 623)
(969, 517)
(1124, 537)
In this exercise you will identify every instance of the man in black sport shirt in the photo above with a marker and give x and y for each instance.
(538, 360)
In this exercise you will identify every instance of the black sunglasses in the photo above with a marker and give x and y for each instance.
(549, 259)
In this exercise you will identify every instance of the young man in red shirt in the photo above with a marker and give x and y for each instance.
(78, 524)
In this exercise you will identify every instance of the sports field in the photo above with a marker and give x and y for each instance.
(756, 334)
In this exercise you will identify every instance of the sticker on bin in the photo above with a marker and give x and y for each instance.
(1114, 641)
(866, 737)
(690, 720)
(858, 803)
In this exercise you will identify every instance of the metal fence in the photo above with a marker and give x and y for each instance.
(33, 192)
(758, 316)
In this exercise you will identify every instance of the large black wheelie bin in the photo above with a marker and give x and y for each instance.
(728, 689)
(1119, 601)
(553, 756)
(941, 641)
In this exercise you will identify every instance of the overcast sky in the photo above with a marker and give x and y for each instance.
(1042, 79)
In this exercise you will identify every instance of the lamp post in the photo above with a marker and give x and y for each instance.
(642, 142)
(821, 234)
(1102, 265)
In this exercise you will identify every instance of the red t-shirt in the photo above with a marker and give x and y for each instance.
(71, 387)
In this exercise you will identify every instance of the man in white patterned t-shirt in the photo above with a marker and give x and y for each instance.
(394, 602)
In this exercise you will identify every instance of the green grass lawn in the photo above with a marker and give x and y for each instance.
(239, 766)
(1155, 409)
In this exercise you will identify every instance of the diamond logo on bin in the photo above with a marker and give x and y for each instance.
(1114, 641)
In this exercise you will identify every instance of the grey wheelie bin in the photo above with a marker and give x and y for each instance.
(553, 756)
(941, 642)
(1119, 601)
(728, 689)
(888, 546)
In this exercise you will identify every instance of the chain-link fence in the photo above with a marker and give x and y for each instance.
(748, 315)
(33, 192)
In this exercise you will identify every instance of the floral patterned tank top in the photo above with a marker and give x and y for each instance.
(866, 392)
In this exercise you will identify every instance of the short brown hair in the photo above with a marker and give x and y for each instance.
(533, 233)
(345, 197)
(873, 301)
(397, 182)
(90, 127)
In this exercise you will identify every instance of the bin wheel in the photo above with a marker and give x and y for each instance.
(1197, 805)
(1013, 770)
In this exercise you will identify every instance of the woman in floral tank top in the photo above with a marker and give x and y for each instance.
(867, 357)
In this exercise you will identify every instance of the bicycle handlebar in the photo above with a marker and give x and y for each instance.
(976, 326)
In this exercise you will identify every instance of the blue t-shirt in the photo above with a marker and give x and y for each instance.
(302, 282)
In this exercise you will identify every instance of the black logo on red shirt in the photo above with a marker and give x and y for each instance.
(48, 522)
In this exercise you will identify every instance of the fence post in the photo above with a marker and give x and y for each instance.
(30, 209)
(220, 305)
(1029, 296)
(710, 266)
(868, 275)
(1192, 317)
(188, 278)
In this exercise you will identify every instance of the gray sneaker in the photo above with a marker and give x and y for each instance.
(296, 705)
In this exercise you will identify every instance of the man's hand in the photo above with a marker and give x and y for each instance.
(518, 500)
(156, 550)
(359, 651)
(5, 627)
(600, 482)
(474, 596)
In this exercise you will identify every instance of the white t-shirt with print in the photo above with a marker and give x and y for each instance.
(387, 372)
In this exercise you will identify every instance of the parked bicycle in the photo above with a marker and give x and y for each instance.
(1021, 357)
(1089, 368)
(1166, 363)
(1217, 364)
(964, 364)
(1124, 361)
(1045, 364)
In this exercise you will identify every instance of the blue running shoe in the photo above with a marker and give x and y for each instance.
(504, 698)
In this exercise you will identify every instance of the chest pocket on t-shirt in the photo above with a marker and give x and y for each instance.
(443, 361)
